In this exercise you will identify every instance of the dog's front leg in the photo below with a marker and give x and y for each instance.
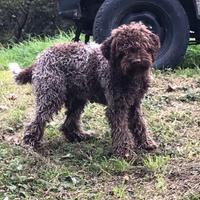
(122, 139)
(138, 129)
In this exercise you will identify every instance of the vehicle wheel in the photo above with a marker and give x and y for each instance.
(166, 18)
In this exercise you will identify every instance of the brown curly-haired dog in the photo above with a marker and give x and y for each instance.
(115, 73)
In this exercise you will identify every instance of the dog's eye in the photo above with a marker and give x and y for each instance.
(149, 50)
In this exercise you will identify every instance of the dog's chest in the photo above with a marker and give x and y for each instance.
(128, 90)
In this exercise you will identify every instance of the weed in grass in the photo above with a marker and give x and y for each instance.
(119, 192)
(110, 166)
(155, 104)
(12, 176)
(15, 119)
(162, 130)
(96, 196)
(116, 166)
(16, 165)
(156, 164)
(52, 131)
(181, 120)
(192, 197)
(182, 71)
(68, 180)
(188, 72)
(3, 153)
(180, 116)
(190, 97)
(160, 184)
(190, 149)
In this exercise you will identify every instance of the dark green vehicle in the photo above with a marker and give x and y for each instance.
(174, 21)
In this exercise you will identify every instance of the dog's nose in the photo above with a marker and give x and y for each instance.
(136, 61)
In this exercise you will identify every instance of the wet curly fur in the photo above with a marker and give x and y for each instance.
(115, 73)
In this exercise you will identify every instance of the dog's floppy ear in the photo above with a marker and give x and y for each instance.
(156, 41)
(106, 47)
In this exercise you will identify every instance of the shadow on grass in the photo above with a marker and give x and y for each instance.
(94, 157)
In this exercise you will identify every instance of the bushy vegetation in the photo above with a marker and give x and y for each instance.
(20, 19)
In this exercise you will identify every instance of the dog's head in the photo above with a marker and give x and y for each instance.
(131, 48)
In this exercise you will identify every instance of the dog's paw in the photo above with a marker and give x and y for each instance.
(86, 135)
(79, 136)
(126, 152)
(149, 144)
(126, 155)
(31, 140)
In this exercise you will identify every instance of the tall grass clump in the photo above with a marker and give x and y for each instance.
(192, 58)
(25, 52)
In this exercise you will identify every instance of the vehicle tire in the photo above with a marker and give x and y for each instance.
(166, 18)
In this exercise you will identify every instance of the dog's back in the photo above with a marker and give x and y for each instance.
(78, 65)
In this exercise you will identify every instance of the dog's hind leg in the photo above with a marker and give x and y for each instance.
(138, 129)
(49, 100)
(71, 127)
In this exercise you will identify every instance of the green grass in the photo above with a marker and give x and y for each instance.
(156, 163)
(24, 53)
(192, 57)
(193, 197)
(119, 192)
(86, 170)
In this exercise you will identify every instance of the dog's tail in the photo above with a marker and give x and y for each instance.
(21, 76)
